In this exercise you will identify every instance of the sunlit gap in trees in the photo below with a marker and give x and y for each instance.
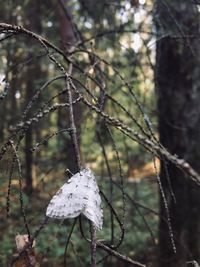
(135, 41)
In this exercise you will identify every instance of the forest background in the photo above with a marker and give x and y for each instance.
(132, 70)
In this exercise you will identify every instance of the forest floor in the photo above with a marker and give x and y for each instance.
(141, 221)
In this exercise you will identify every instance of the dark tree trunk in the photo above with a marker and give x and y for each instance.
(28, 143)
(13, 90)
(67, 40)
(178, 85)
(33, 74)
(2, 121)
(8, 105)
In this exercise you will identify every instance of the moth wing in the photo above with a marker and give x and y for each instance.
(94, 214)
(92, 208)
(79, 194)
(68, 202)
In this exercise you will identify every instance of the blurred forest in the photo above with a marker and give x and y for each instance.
(112, 86)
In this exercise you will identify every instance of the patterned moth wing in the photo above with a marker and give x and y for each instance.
(92, 209)
(79, 195)
(68, 202)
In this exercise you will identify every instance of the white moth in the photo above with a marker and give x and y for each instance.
(79, 195)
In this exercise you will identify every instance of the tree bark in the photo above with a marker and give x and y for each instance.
(33, 74)
(178, 88)
(67, 40)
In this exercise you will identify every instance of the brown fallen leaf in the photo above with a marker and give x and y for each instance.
(26, 254)
(25, 259)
